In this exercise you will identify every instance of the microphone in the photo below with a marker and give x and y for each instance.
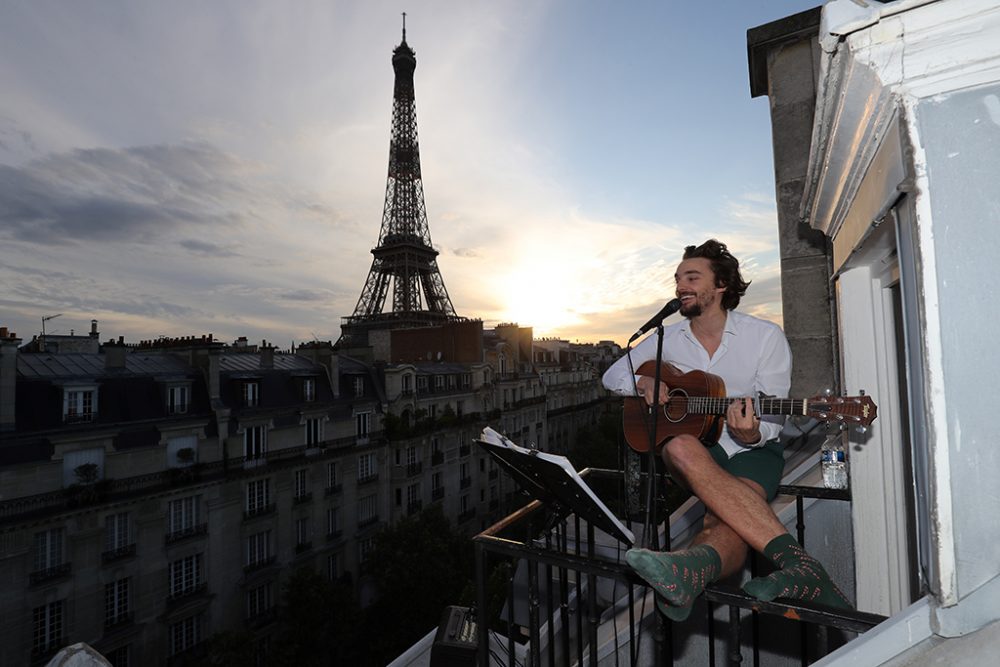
(672, 307)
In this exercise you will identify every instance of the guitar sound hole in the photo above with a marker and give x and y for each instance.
(675, 409)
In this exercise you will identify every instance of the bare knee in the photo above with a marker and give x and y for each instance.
(683, 452)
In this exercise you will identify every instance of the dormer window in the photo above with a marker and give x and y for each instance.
(308, 390)
(438, 382)
(79, 404)
(178, 399)
(359, 386)
(251, 394)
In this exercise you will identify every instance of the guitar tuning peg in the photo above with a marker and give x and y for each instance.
(862, 430)
(828, 392)
(861, 392)
(841, 427)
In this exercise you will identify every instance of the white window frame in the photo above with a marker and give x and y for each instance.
(309, 389)
(367, 466)
(185, 634)
(47, 626)
(258, 548)
(251, 393)
(258, 494)
(367, 508)
(50, 548)
(183, 514)
(117, 531)
(79, 403)
(359, 387)
(178, 399)
(116, 601)
(300, 483)
(255, 442)
(313, 431)
(184, 575)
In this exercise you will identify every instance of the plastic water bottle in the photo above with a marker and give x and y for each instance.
(834, 461)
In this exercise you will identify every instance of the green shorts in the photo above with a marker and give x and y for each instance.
(763, 465)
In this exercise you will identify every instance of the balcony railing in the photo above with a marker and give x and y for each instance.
(368, 479)
(414, 507)
(303, 547)
(302, 498)
(184, 533)
(123, 618)
(258, 511)
(334, 535)
(187, 592)
(437, 458)
(259, 564)
(333, 490)
(117, 554)
(413, 469)
(49, 573)
(465, 482)
(570, 562)
(437, 493)
(113, 490)
(464, 450)
(370, 521)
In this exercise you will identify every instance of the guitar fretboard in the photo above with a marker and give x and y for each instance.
(714, 405)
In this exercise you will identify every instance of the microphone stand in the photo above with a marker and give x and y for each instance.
(652, 537)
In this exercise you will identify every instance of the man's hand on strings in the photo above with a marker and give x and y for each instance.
(645, 386)
(743, 423)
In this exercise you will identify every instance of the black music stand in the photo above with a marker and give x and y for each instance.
(551, 479)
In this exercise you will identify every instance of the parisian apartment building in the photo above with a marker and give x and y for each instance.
(153, 494)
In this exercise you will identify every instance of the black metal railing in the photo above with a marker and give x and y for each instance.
(437, 493)
(49, 573)
(413, 469)
(333, 490)
(258, 564)
(437, 458)
(113, 490)
(184, 533)
(539, 537)
(258, 511)
(302, 498)
(117, 554)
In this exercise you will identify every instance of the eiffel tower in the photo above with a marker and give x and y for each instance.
(404, 255)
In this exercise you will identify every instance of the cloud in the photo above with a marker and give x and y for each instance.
(466, 253)
(129, 194)
(206, 248)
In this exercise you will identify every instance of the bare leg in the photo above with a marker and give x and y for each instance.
(735, 503)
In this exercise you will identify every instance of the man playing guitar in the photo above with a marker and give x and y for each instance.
(738, 473)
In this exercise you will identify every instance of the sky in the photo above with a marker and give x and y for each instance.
(184, 168)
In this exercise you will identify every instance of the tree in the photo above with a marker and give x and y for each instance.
(317, 623)
(420, 565)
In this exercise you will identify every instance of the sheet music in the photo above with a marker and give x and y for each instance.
(493, 438)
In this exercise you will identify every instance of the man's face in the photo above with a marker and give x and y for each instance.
(696, 287)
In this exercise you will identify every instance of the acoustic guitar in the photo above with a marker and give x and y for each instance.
(697, 403)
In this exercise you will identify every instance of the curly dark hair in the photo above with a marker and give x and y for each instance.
(726, 269)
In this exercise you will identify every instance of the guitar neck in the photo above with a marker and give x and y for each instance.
(714, 405)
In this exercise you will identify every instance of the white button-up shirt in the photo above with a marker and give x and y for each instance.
(752, 358)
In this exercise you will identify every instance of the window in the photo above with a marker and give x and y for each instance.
(299, 483)
(117, 531)
(422, 383)
(411, 456)
(49, 548)
(258, 495)
(47, 627)
(464, 503)
(116, 602)
(258, 549)
(362, 422)
(367, 509)
(359, 386)
(365, 547)
(407, 384)
(438, 382)
(333, 566)
(314, 431)
(309, 390)
(502, 363)
(333, 521)
(412, 495)
(367, 467)
(79, 404)
(251, 394)
(183, 515)
(259, 600)
(302, 533)
(120, 656)
(436, 481)
(185, 575)
(466, 380)
(178, 398)
(332, 476)
(255, 442)
(185, 634)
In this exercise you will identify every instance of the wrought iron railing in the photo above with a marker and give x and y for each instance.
(538, 536)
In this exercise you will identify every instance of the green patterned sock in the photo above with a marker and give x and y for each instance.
(677, 577)
(799, 577)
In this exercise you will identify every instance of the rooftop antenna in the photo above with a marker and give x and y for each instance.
(404, 26)
(44, 320)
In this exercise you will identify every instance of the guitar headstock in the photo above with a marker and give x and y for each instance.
(848, 410)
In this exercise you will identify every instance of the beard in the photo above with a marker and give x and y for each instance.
(701, 303)
(693, 310)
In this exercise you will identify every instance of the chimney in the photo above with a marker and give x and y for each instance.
(93, 329)
(266, 355)
(114, 354)
(8, 379)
